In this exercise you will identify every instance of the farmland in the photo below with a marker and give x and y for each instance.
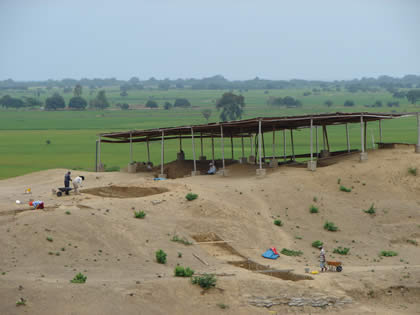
(33, 140)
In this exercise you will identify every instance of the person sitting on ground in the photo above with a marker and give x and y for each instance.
(322, 259)
(38, 204)
(212, 169)
(77, 182)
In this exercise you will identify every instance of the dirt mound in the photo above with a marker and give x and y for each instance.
(124, 192)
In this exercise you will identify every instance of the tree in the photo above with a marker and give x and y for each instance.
(152, 104)
(100, 101)
(182, 102)
(413, 96)
(231, 105)
(167, 106)
(8, 101)
(123, 106)
(55, 102)
(328, 103)
(77, 90)
(31, 101)
(206, 113)
(164, 86)
(348, 103)
(123, 93)
(134, 81)
(77, 102)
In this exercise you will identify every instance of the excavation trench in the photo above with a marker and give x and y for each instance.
(124, 192)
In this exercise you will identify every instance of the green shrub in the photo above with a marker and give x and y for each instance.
(315, 199)
(183, 272)
(206, 281)
(49, 239)
(412, 171)
(413, 242)
(161, 257)
(313, 209)
(345, 189)
(341, 251)
(177, 239)
(339, 181)
(330, 226)
(388, 253)
(317, 244)
(371, 210)
(79, 278)
(139, 214)
(21, 302)
(290, 252)
(278, 222)
(223, 306)
(68, 212)
(191, 196)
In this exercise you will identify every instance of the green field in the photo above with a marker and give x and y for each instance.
(72, 134)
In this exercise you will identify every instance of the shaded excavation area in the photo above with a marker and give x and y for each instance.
(124, 192)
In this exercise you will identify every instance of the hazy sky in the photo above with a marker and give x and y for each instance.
(240, 39)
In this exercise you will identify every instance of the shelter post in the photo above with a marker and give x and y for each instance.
(363, 154)
(243, 158)
(180, 156)
(194, 172)
(202, 157)
(316, 141)
(380, 131)
(260, 170)
(312, 163)
(148, 151)
(273, 162)
(162, 156)
(284, 145)
(348, 137)
(99, 165)
(212, 148)
(132, 167)
(293, 145)
(418, 134)
(223, 170)
(326, 146)
(251, 158)
(231, 145)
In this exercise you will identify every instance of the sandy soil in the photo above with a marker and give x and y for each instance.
(98, 235)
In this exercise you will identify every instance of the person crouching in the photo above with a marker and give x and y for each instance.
(77, 182)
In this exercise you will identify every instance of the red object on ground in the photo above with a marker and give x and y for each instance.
(274, 250)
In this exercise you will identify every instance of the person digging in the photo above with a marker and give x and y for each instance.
(77, 182)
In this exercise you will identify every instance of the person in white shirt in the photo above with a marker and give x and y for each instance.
(77, 182)
(212, 170)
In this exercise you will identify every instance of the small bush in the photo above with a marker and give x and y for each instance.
(341, 251)
(223, 306)
(139, 214)
(67, 212)
(371, 210)
(317, 244)
(183, 272)
(205, 281)
(161, 257)
(330, 226)
(388, 253)
(345, 189)
(79, 278)
(177, 239)
(339, 181)
(413, 242)
(412, 171)
(290, 252)
(315, 199)
(313, 209)
(278, 222)
(21, 302)
(49, 239)
(191, 196)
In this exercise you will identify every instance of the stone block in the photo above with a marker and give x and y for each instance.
(223, 172)
(243, 160)
(324, 153)
(363, 156)
(274, 163)
(261, 172)
(417, 148)
(251, 159)
(312, 165)
(162, 176)
(195, 173)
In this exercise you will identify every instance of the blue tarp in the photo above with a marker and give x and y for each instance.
(159, 178)
(270, 254)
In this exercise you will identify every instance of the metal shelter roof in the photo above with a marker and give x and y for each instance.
(238, 128)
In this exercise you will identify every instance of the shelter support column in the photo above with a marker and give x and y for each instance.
(180, 156)
(231, 146)
(243, 158)
(284, 145)
(148, 151)
(274, 163)
(260, 170)
(132, 167)
(202, 156)
(99, 166)
(418, 134)
(325, 152)
(316, 142)
(212, 148)
(194, 172)
(312, 163)
(162, 156)
(293, 145)
(223, 171)
(380, 131)
(251, 158)
(348, 137)
(363, 154)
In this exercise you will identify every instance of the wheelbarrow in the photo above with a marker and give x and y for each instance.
(334, 266)
(62, 190)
